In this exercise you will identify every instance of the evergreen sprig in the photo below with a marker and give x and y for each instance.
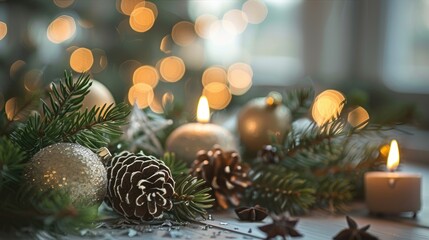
(11, 163)
(191, 198)
(299, 101)
(51, 211)
(280, 190)
(62, 120)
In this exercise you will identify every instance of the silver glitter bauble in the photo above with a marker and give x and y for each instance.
(69, 167)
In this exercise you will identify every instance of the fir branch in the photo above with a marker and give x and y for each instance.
(51, 211)
(63, 122)
(298, 101)
(190, 199)
(333, 192)
(11, 163)
(280, 190)
(177, 168)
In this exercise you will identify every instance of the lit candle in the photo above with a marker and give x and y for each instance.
(190, 138)
(393, 192)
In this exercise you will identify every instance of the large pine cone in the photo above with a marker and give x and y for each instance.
(140, 187)
(224, 173)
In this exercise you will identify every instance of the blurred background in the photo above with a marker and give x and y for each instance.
(167, 52)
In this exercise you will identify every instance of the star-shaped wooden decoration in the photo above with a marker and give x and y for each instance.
(353, 232)
(282, 226)
(252, 214)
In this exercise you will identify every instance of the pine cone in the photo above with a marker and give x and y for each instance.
(140, 187)
(224, 173)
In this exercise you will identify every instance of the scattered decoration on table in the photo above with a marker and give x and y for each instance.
(69, 167)
(140, 187)
(224, 172)
(269, 154)
(141, 132)
(282, 226)
(252, 214)
(263, 121)
(353, 232)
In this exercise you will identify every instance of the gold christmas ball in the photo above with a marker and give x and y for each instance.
(98, 96)
(69, 167)
(263, 121)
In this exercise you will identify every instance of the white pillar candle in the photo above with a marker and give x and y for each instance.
(393, 192)
(190, 138)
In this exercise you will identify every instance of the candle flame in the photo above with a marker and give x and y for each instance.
(393, 158)
(203, 111)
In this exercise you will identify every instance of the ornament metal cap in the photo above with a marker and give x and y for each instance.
(104, 154)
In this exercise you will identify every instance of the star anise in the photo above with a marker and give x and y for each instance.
(354, 233)
(282, 226)
(253, 214)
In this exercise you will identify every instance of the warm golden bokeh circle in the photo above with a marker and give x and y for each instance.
(11, 109)
(63, 3)
(149, 5)
(235, 21)
(358, 117)
(214, 74)
(142, 19)
(61, 29)
(172, 68)
(81, 60)
(15, 67)
(146, 74)
(203, 25)
(327, 106)
(141, 94)
(127, 6)
(183, 33)
(3, 30)
(218, 95)
(255, 10)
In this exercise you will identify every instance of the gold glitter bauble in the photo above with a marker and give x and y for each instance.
(69, 167)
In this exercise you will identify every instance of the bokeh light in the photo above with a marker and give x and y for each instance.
(358, 117)
(81, 60)
(240, 78)
(167, 100)
(255, 10)
(11, 109)
(203, 25)
(33, 80)
(327, 106)
(156, 106)
(218, 95)
(100, 60)
(172, 68)
(183, 33)
(127, 6)
(61, 29)
(166, 44)
(141, 94)
(63, 3)
(142, 19)
(149, 5)
(3, 30)
(235, 21)
(15, 67)
(214, 74)
(146, 74)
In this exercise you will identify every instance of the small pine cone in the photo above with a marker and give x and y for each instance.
(140, 187)
(269, 154)
(224, 173)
